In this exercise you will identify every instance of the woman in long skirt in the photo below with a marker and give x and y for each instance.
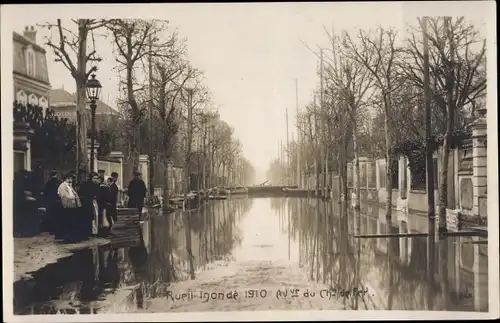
(70, 202)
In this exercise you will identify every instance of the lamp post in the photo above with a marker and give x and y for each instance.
(93, 87)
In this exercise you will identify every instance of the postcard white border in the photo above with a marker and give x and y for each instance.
(52, 11)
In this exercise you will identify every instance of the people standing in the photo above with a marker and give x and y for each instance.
(89, 192)
(70, 202)
(136, 193)
(52, 201)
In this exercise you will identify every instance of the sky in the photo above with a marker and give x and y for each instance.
(251, 54)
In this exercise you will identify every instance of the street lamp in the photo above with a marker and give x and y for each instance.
(93, 87)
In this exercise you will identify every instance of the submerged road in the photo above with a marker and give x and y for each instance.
(265, 254)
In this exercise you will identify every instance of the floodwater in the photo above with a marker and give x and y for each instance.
(266, 253)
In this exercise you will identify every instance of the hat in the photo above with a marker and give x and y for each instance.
(68, 175)
(114, 174)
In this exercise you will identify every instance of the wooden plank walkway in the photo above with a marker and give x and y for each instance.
(127, 228)
(418, 234)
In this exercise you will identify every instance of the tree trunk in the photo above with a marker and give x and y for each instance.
(136, 121)
(223, 173)
(189, 248)
(81, 96)
(388, 157)
(357, 189)
(443, 180)
(81, 126)
(166, 188)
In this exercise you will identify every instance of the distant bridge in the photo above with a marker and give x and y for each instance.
(268, 190)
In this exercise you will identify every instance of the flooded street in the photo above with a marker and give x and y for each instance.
(265, 254)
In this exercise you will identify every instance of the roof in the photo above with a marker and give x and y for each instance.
(20, 44)
(26, 41)
(62, 98)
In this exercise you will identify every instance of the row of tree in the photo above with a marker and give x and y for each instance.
(165, 108)
(371, 99)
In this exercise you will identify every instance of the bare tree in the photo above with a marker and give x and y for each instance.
(353, 84)
(131, 39)
(457, 67)
(68, 44)
(170, 82)
(378, 54)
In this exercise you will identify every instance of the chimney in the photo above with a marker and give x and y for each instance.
(30, 33)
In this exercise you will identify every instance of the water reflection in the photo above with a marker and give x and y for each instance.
(397, 272)
(401, 273)
(121, 278)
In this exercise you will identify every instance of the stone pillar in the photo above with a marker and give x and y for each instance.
(119, 155)
(144, 168)
(479, 164)
(379, 229)
(89, 149)
(170, 174)
(377, 175)
(456, 186)
(402, 177)
(22, 142)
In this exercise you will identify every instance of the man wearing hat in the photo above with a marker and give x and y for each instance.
(113, 188)
(136, 192)
(51, 199)
(101, 173)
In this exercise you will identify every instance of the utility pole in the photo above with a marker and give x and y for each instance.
(280, 160)
(150, 150)
(212, 153)
(431, 213)
(316, 146)
(299, 179)
(187, 173)
(322, 120)
(287, 151)
(428, 127)
(292, 175)
(204, 170)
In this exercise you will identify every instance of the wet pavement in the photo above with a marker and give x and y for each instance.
(265, 254)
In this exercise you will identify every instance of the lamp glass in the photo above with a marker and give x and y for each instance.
(93, 87)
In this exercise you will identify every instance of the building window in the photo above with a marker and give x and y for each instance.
(30, 62)
(21, 97)
(43, 104)
(33, 99)
(19, 161)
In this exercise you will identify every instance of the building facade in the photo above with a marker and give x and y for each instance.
(31, 77)
(31, 86)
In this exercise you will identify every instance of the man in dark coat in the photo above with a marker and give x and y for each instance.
(136, 193)
(89, 191)
(51, 199)
(114, 195)
(21, 205)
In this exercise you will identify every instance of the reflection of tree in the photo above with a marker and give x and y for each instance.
(329, 252)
